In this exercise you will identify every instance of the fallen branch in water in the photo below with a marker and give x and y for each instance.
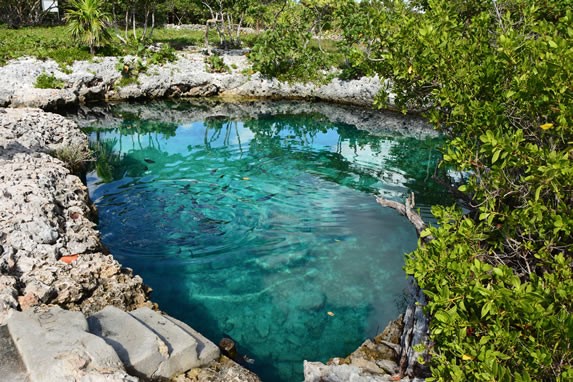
(407, 210)
(415, 330)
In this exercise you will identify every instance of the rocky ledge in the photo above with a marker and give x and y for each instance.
(397, 354)
(186, 77)
(51, 255)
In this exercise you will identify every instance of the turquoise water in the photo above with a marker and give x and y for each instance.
(264, 229)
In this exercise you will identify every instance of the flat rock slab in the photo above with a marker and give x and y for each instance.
(56, 346)
(181, 346)
(207, 350)
(140, 349)
(11, 366)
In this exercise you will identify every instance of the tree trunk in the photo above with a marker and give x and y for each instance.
(126, 23)
(152, 23)
(145, 24)
(133, 23)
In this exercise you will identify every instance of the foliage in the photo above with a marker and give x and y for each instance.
(48, 81)
(131, 67)
(496, 78)
(185, 12)
(288, 52)
(17, 13)
(75, 158)
(216, 64)
(87, 23)
(43, 43)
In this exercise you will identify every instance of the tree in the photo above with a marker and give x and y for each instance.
(18, 13)
(288, 49)
(495, 77)
(87, 23)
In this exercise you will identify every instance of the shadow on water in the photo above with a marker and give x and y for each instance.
(259, 228)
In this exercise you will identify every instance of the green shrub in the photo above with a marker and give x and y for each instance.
(496, 78)
(216, 64)
(163, 55)
(289, 52)
(75, 158)
(48, 81)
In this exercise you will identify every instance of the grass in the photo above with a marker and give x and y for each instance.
(55, 43)
(48, 81)
(75, 157)
(43, 43)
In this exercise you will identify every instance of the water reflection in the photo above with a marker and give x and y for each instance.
(256, 228)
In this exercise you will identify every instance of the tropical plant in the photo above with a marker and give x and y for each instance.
(48, 81)
(288, 50)
(75, 158)
(216, 64)
(87, 23)
(495, 77)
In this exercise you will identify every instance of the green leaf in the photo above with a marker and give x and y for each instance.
(495, 156)
(442, 316)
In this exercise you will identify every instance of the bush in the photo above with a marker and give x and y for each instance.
(216, 64)
(495, 77)
(75, 158)
(288, 51)
(48, 81)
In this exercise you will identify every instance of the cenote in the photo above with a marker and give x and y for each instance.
(262, 225)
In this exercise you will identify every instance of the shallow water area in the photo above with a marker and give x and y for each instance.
(263, 228)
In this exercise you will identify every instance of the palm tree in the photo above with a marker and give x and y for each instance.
(87, 22)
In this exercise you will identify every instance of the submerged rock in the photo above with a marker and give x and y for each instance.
(387, 357)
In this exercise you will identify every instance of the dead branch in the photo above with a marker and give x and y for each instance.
(407, 210)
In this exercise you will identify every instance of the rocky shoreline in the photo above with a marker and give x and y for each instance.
(187, 77)
(50, 250)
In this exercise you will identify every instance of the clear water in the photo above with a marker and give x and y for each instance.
(265, 230)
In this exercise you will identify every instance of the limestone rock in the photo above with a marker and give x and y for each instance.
(46, 99)
(223, 370)
(8, 297)
(139, 348)
(318, 372)
(68, 352)
(186, 77)
(45, 214)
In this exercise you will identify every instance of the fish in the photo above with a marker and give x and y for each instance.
(147, 160)
(248, 360)
(267, 197)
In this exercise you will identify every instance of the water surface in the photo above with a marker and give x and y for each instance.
(264, 229)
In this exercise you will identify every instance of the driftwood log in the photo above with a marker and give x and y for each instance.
(415, 330)
(407, 210)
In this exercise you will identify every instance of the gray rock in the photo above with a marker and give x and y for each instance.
(68, 352)
(46, 99)
(207, 350)
(181, 346)
(139, 348)
(187, 77)
(319, 372)
(11, 366)
(45, 214)
(224, 370)
(8, 297)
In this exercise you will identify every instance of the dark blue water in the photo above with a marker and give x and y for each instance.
(265, 230)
